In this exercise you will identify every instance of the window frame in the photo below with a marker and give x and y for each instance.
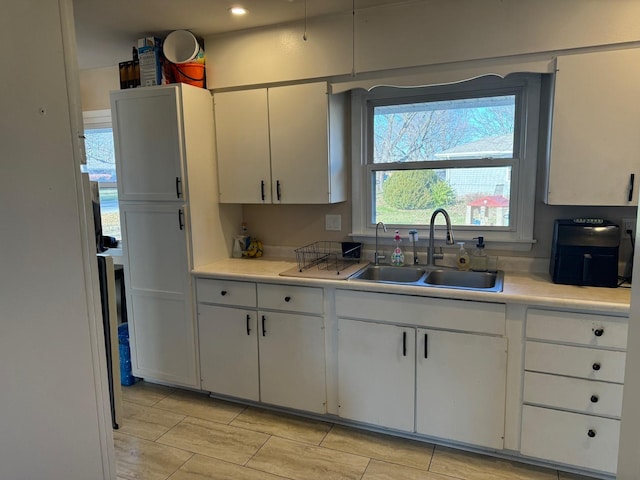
(519, 234)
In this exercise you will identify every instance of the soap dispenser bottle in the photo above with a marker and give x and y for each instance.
(397, 257)
(479, 261)
(462, 258)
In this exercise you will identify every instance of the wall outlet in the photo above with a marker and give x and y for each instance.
(628, 224)
(333, 222)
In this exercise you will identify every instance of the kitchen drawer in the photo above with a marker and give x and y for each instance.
(586, 396)
(422, 311)
(580, 328)
(290, 298)
(570, 438)
(591, 363)
(226, 292)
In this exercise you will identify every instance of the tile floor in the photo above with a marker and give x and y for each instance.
(172, 434)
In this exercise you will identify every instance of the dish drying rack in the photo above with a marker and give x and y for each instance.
(327, 255)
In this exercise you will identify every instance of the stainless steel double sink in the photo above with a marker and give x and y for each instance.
(441, 277)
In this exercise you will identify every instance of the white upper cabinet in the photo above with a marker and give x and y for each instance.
(242, 138)
(594, 146)
(281, 145)
(148, 132)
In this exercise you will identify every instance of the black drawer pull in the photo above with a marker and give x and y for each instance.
(180, 219)
(596, 366)
(591, 433)
(278, 189)
(632, 178)
(248, 324)
(223, 293)
(598, 332)
(178, 187)
(404, 344)
(594, 399)
(426, 345)
(264, 332)
(262, 189)
(287, 299)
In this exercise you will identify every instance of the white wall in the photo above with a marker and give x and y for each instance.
(52, 405)
(435, 36)
(425, 33)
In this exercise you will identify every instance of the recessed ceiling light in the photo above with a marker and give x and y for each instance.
(238, 11)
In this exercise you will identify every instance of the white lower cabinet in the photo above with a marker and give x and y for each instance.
(574, 369)
(445, 384)
(292, 361)
(376, 373)
(570, 438)
(460, 387)
(161, 324)
(229, 351)
(260, 354)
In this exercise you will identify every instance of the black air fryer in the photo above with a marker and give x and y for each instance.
(585, 252)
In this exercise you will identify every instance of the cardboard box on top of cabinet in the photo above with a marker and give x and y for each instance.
(150, 66)
(149, 42)
(150, 61)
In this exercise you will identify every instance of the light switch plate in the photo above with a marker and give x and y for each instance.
(333, 222)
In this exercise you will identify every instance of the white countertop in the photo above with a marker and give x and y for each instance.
(530, 288)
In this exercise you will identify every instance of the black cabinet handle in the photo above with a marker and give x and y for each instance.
(278, 189)
(287, 299)
(264, 332)
(596, 366)
(594, 399)
(181, 219)
(248, 324)
(262, 189)
(178, 187)
(632, 178)
(591, 433)
(404, 344)
(598, 332)
(426, 345)
(223, 293)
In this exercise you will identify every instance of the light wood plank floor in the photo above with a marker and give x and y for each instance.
(172, 434)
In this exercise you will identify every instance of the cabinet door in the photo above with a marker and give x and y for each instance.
(594, 138)
(228, 339)
(158, 286)
(299, 126)
(242, 138)
(292, 361)
(376, 368)
(460, 391)
(155, 247)
(147, 131)
(162, 337)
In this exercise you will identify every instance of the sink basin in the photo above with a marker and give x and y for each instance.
(387, 273)
(491, 281)
(430, 277)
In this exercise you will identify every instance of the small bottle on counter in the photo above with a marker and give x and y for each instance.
(462, 258)
(397, 257)
(479, 260)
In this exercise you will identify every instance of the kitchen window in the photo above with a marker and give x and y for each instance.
(469, 147)
(101, 168)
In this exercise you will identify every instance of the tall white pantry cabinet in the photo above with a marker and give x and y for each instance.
(163, 136)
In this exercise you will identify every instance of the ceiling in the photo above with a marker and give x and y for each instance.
(106, 30)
